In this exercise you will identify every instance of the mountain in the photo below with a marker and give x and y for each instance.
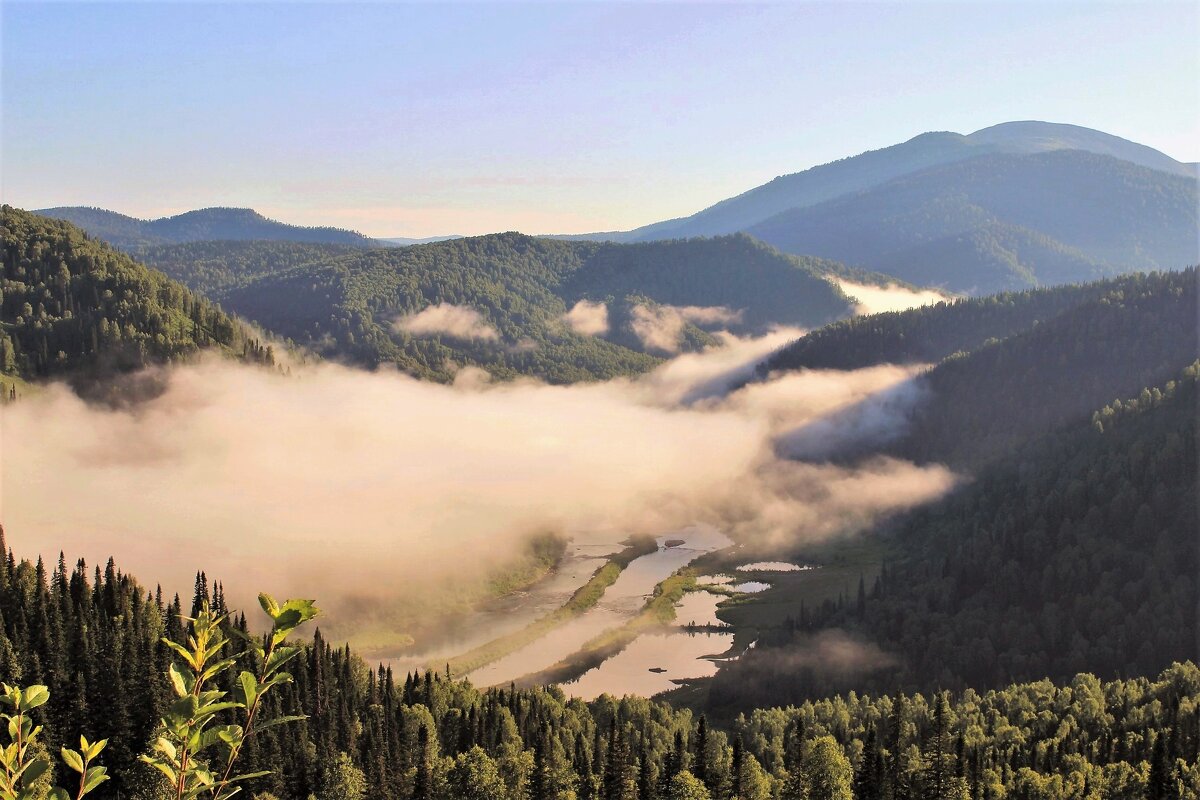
(502, 302)
(1001, 222)
(73, 306)
(875, 167)
(200, 225)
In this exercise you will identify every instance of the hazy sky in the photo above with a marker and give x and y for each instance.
(410, 119)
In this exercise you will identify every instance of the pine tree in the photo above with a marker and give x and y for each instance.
(940, 764)
(700, 765)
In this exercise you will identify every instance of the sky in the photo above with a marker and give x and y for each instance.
(425, 119)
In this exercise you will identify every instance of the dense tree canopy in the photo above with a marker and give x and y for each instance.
(94, 640)
(519, 289)
(69, 303)
(1076, 552)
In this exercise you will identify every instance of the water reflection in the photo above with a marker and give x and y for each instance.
(620, 603)
(651, 664)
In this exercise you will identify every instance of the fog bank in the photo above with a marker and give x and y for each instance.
(872, 299)
(368, 489)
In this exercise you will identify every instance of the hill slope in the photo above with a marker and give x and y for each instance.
(69, 304)
(1013, 367)
(201, 225)
(501, 302)
(214, 268)
(1005, 221)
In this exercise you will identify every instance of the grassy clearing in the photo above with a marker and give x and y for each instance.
(9, 382)
(584, 598)
(842, 562)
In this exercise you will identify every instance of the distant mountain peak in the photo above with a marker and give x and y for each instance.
(215, 223)
(873, 168)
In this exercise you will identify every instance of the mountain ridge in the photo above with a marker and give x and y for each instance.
(219, 223)
(833, 179)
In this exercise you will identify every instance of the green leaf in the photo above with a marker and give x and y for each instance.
(58, 794)
(279, 657)
(72, 759)
(35, 769)
(268, 604)
(95, 777)
(35, 696)
(181, 682)
(92, 749)
(165, 769)
(271, 723)
(249, 686)
(164, 745)
(182, 651)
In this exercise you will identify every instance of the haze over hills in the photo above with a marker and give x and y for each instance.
(1015, 205)
(1011, 206)
(874, 167)
(1071, 497)
(1005, 222)
(205, 224)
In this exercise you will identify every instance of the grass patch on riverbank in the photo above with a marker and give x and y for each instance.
(840, 562)
(584, 598)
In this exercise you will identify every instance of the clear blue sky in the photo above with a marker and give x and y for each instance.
(411, 119)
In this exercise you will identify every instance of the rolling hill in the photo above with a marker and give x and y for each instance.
(1012, 368)
(509, 303)
(203, 224)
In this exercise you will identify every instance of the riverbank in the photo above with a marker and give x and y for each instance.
(584, 598)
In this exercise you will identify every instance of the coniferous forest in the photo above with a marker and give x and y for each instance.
(94, 638)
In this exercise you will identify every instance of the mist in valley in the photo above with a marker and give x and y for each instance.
(384, 496)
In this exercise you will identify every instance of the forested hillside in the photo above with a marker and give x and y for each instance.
(503, 300)
(93, 638)
(997, 397)
(927, 334)
(1077, 549)
(1008, 221)
(214, 268)
(1015, 366)
(70, 304)
(205, 224)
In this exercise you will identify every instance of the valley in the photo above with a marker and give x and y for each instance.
(719, 509)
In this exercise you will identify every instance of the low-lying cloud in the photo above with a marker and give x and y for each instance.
(446, 319)
(369, 489)
(660, 327)
(588, 318)
(871, 299)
